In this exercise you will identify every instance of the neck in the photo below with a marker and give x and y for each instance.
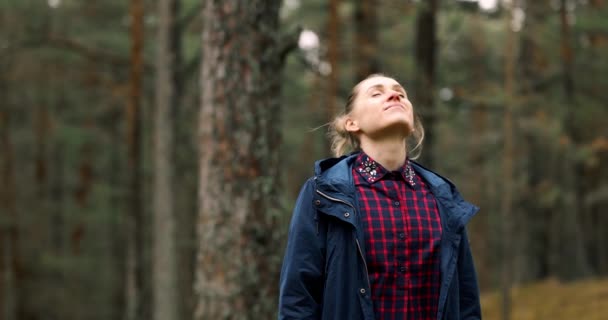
(388, 152)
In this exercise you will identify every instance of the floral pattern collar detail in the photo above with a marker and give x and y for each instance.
(372, 171)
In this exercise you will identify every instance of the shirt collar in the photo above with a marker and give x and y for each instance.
(372, 171)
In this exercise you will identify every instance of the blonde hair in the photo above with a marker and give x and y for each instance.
(343, 141)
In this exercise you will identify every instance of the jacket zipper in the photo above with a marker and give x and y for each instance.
(369, 286)
(335, 199)
(356, 240)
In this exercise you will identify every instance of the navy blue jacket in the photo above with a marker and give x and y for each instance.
(324, 274)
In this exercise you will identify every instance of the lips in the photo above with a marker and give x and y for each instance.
(394, 105)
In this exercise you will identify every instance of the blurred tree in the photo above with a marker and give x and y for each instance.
(135, 277)
(596, 173)
(574, 210)
(478, 155)
(239, 187)
(507, 196)
(166, 302)
(425, 60)
(366, 38)
(554, 234)
(333, 57)
(11, 280)
(533, 67)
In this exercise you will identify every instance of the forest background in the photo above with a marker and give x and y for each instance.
(151, 151)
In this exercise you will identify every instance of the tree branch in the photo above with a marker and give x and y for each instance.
(288, 42)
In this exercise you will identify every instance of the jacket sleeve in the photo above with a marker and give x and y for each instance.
(302, 276)
(470, 308)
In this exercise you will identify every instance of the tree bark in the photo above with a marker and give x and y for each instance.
(135, 237)
(164, 273)
(239, 188)
(425, 61)
(366, 38)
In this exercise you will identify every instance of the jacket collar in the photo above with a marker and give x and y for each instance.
(334, 178)
(459, 211)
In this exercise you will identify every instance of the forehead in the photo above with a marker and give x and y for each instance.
(377, 81)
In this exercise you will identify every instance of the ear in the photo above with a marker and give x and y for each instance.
(351, 125)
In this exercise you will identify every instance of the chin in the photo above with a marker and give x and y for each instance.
(404, 122)
(398, 125)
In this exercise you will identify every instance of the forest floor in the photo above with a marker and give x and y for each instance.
(552, 300)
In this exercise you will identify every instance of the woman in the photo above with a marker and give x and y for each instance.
(375, 235)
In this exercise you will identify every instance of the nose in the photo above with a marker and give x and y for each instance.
(394, 95)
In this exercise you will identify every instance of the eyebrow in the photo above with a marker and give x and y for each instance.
(395, 87)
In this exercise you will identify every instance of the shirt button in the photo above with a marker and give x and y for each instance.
(402, 269)
(362, 290)
(317, 202)
(347, 214)
(396, 203)
(401, 235)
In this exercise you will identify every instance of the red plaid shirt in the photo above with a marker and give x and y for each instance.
(402, 240)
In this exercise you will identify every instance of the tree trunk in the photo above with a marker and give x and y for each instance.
(83, 190)
(366, 38)
(597, 37)
(237, 263)
(11, 273)
(42, 130)
(309, 148)
(541, 229)
(118, 233)
(333, 56)
(598, 172)
(135, 237)
(574, 211)
(566, 53)
(425, 62)
(506, 206)
(478, 229)
(164, 273)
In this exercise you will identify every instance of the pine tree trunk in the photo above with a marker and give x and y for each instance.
(541, 230)
(166, 303)
(42, 130)
(425, 62)
(506, 206)
(135, 238)
(478, 229)
(11, 273)
(573, 173)
(83, 190)
(333, 57)
(599, 173)
(239, 190)
(366, 38)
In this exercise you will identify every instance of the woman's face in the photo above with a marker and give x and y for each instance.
(381, 107)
